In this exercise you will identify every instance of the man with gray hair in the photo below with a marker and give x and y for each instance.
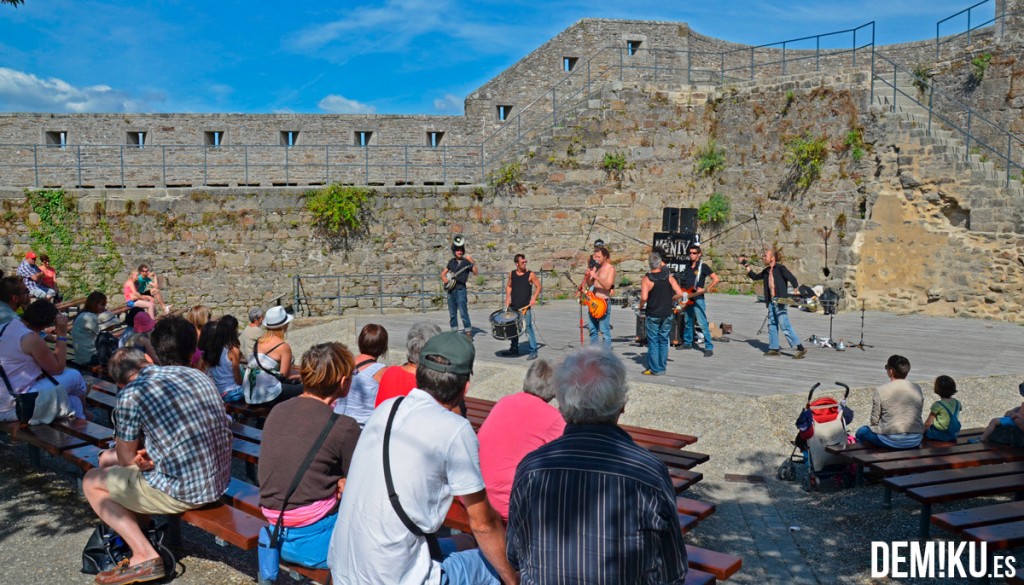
(659, 292)
(251, 334)
(592, 478)
(517, 425)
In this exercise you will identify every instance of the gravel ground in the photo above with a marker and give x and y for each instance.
(783, 534)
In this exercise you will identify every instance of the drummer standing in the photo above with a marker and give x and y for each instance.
(518, 297)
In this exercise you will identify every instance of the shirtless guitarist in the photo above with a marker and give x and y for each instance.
(600, 278)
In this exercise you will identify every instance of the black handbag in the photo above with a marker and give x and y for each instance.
(105, 549)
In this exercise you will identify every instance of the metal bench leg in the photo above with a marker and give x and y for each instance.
(250, 472)
(174, 531)
(887, 498)
(926, 521)
(35, 456)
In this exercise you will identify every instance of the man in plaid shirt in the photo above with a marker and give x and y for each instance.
(186, 461)
(32, 275)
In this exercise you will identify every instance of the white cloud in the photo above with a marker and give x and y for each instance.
(336, 104)
(449, 104)
(24, 92)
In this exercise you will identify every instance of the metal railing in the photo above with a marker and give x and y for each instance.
(970, 16)
(117, 166)
(945, 108)
(422, 291)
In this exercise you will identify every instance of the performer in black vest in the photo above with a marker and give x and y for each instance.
(521, 294)
(459, 268)
(658, 293)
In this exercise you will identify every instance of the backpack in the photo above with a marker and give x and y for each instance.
(106, 345)
(954, 420)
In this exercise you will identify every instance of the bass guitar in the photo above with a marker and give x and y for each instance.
(450, 285)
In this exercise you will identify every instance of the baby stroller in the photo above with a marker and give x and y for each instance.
(821, 424)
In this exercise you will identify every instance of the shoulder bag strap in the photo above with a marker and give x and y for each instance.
(298, 476)
(259, 364)
(3, 373)
(432, 544)
(363, 363)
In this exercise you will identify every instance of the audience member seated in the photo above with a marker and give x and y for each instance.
(359, 403)
(140, 337)
(222, 357)
(49, 277)
(518, 424)
(132, 298)
(943, 422)
(1007, 429)
(14, 296)
(433, 456)
(268, 379)
(147, 287)
(86, 329)
(129, 323)
(31, 365)
(895, 410)
(186, 461)
(32, 275)
(399, 380)
(252, 332)
(199, 316)
(593, 506)
(291, 430)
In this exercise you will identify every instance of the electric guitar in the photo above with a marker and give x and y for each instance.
(450, 285)
(596, 306)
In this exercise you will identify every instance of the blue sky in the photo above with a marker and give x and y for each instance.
(386, 57)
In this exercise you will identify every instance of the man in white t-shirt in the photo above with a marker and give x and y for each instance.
(434, 456)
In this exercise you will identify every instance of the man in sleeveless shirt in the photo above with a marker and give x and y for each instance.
(600, 277)
(695, 276)
(658, 293)
(521, 292)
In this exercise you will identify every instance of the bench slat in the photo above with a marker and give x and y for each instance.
(245, 450)
(1006, 535)
(244, 496)
(694, 507)
(947, 492)
(86, 430)
(960, 520)
(879, 457)
(956, 461)
(47, 438)
(227, 523)
(721, 565)
(85, 457)
(952, 475)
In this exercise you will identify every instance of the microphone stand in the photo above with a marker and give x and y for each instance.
(860, 344)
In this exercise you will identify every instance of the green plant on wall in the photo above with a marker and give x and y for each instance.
(508, 178)
(854, 143)
(979, 66)
(614, 162)
(710, 160)
(715, 210)
(339, 211)
(807, 156)
(73, 248)
(922, 78)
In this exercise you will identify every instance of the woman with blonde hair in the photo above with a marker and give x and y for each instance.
(302, 512)
(133, 298)
(269, 378)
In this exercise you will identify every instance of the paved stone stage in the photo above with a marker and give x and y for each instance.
(954, 346)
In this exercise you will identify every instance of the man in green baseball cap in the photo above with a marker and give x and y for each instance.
(432, 458)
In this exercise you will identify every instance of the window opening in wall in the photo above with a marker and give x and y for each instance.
(57, 138)
(289, 137)
(214, 137)
(434, 138)
(135, 139)
(363, 137)
(632, 47)
(569, 63)
(504, 112)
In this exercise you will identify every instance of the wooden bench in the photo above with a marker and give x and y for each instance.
(950, 485)
(865, 456)
(1000, 525)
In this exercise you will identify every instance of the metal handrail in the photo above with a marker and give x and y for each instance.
(972, 116)
(428, 292)
(967, 10)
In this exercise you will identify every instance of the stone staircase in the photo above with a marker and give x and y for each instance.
(928, 148)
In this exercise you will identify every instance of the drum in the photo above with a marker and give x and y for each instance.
(506, 325)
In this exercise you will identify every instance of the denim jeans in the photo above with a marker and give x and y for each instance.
(468, 567)
(529, 334)
(602, 326)
(458, 303)
(699, 311)
(658, 329)
(779, 317)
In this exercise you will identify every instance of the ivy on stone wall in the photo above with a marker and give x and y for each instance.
(72, 246)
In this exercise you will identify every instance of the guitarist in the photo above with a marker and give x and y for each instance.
(600, 278)
(694, 281)
(776, 279)
(459, 268)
